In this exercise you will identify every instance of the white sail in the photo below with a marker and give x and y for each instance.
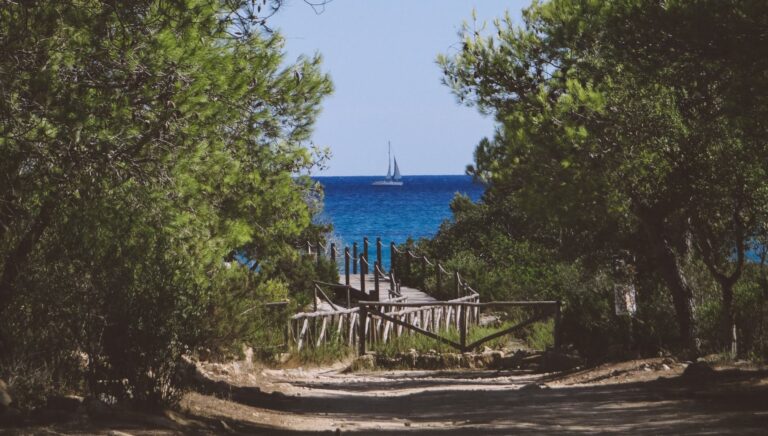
(390, 180)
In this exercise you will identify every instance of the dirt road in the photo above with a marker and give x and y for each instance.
(637, 397)
(622, 398)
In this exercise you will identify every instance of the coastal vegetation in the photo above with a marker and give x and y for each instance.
(424, 344)
(145, 146)
(630, 153)
(154, 189)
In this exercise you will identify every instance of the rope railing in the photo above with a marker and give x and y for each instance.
(377, 269)
(459, 307)
(319, 250)
(401, 259)
(363, 260)
(464, 285)
(414, 276)
(415, 256)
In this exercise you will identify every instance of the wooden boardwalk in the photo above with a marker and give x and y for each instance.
(412, 295)
(350, 313)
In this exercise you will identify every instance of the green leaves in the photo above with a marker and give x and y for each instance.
(625, 126)
(162, 144)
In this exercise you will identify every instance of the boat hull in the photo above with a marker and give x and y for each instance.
(387, 183)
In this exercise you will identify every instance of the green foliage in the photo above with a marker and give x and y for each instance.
(142, 143)
(623, 127)
(541, 336)
(236, 315)
(423, 344)
(750, 295)
(335, 350)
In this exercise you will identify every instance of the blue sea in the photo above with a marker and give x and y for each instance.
(394, 213)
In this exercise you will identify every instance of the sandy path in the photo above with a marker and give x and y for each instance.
(612, 400)
(646, 397)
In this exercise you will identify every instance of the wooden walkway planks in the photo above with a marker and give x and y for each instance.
(413, 295)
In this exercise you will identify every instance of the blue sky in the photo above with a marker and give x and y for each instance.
(381, 58)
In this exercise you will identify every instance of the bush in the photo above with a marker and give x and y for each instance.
(334, 350)
(123, 194)
(541, 335)
(750, 295)
(504, 258)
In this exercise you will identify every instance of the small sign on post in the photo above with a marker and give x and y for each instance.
(625, 299)
(624, 291)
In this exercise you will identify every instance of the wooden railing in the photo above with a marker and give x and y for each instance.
(356, 261)
(460, 287)
(465, 313)
(344, 326)
(373, 322)
(369, 322)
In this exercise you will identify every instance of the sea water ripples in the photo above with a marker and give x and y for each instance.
(394, 213)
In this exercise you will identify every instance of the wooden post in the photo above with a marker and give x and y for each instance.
(362, 274)
(361, 330)
(333, 253)
(439, 277)
(392, 288)
(312, 333)
(557, 327)
(365, 255)
(349, 299)
(375, 284)
(354, 258)
(392, 255)
(463, 328)
(346, 265)
(314, 300)
(287, 336)
(457, 284)
(378, 253)
(309, 247)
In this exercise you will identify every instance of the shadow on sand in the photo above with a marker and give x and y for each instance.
(727, 402)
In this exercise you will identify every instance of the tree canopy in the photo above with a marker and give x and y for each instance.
(632, 125)
(142, 143)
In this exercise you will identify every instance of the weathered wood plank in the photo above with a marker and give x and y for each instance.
(415, 329)
(304, 327)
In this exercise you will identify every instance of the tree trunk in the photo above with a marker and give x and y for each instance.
(670, 266)
(682, 298)
(18, 258)
(728, 319)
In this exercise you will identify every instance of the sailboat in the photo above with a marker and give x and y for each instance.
(390, 180)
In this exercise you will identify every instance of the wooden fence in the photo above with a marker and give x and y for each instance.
(369, 322)
(381, 322)
(465, 313)
(404, 266)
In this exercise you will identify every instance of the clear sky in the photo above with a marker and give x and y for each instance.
(381, 58)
